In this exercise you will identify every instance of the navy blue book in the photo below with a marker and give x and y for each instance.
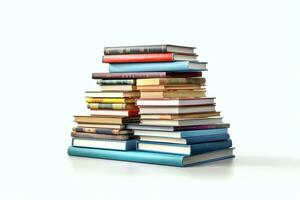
(180, 66)
(188, 140)
(183, 149)
(151, 157)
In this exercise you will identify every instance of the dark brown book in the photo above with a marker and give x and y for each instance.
(101, 136)
(146, 75)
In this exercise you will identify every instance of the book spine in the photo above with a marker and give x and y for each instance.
(210, 146)
(100, 136)
(109, 100)
(135, 49)
(195, 133)
(133, 58)
(116, 82)
(128, 75)
(130, 156)
(151, 67)
(110, 106)
(96, 130)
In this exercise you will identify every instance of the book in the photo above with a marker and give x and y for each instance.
(102, 130)
(118, 87)
(180, 116)
(169, 81)
(172, 94)
(111, 106)
(141, 49)
(104, 144)
(188, 140)
(116, 81)
(191, 149)
(180, 134)
(133, 112)
(95, 125)
(181, 122)
(117, 94)
(156, 88)
(176, 109)
(178, 66)
(135, 126)
(148, 57)
(146, 75)
(104, 120)
(175, 102)
(109, 100)
(101, 136)
(152, 158)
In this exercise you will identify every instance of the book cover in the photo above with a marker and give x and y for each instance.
(150, 157)
(102, 130)
(109, 100)
(123, 145)
(116, 81)
(183, 66)
(101, 136)
(111, 106)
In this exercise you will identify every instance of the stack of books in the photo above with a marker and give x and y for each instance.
(172, 121)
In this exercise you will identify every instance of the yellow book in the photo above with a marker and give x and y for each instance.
(109, 100)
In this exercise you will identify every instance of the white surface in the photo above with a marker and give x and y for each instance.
(50, 48)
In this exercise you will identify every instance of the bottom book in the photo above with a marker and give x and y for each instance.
(151, 157)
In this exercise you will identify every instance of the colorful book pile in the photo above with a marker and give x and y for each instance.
(152, 108)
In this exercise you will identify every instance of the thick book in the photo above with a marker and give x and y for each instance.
(109, 100)
(180, 116)
(153, 57)
(97, 125)
(155, 88)
(142, 49)
(172, 94)
(116, 82)
(175, 102)
(179, 66)
(102, 130)
(104, 144)
(151, 157)
(105, 119)
(181, 122)
(188, 140)
(192, 149)
(176, 128)
(176, 109)
(101, 136)
(111, 106)
(145, 75)
(116, 94)
(169, 81)
(180, 134)
(126, 113)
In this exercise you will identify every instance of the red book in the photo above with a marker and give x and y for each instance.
(146, 75)
(151, 57)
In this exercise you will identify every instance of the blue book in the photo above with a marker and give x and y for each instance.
(188, 140)
(180, 134)
(150, 157)
(183, 149)
(181, 66)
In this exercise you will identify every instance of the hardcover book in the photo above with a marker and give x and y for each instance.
(151, 157)
(181, 122)
(102, 130)
(109, 100)
(111, 106)
(105, 119)
(117, 94)
(175, 102)
(180, 116)
(141, 49)
(169, 81)
(153, 57)
(116, 81)
(101, 136)
(130, 75)
(125, 113)
(176, 109)
(179, 66)
(192, 149)
(104, 144)
(172, 94)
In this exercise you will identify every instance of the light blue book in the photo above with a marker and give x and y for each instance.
(181, 66)
(180, 134)
(151, 157)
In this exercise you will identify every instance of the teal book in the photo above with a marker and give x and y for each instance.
(151, 157)
(181, 66)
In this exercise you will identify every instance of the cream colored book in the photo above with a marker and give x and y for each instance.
(173, 94)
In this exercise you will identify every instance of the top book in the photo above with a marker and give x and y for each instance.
(162, 48)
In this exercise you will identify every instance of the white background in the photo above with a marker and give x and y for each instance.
(50, 48)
